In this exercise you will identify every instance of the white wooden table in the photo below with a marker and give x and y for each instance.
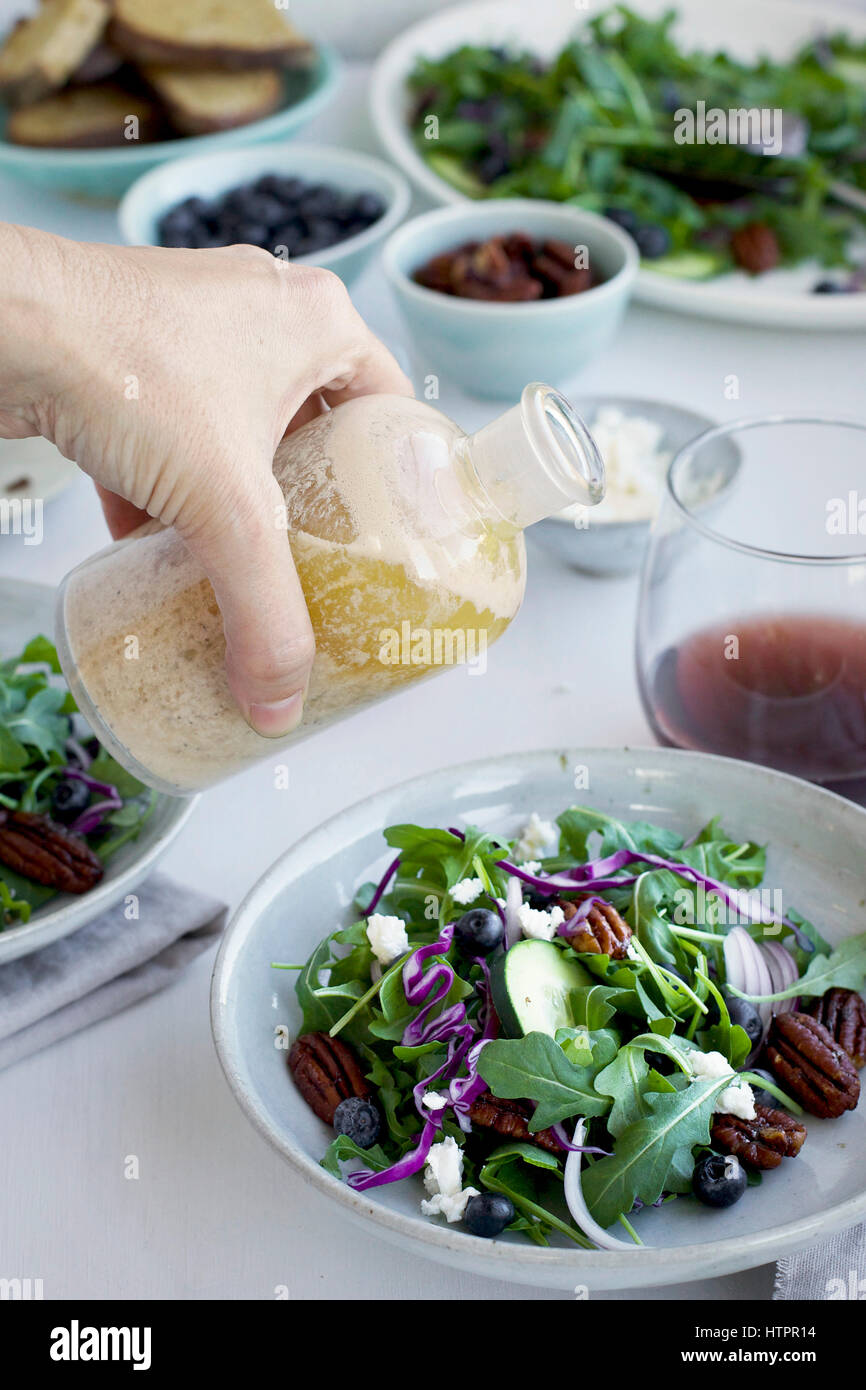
(214, 1213)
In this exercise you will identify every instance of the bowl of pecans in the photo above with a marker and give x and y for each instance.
(512, 290)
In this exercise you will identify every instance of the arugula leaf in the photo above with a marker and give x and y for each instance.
(579, 823)
(341, 1149)
(105, 768)
(652, 1154)
(536, 1068)
(530, 1177)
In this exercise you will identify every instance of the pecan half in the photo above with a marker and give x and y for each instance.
(325, 1072)
(843, 1014)
(40, 849)
(511, 1118)
(601, 932)
(554, 266)
(810, 1064)
(755, 247)
(762, 1142)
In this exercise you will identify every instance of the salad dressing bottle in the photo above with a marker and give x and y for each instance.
(407, 537)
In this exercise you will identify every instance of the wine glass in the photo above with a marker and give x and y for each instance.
(751, 638)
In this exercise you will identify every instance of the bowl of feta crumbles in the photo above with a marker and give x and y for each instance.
(637, 440)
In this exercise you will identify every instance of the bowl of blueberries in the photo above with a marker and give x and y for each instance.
(311, 205)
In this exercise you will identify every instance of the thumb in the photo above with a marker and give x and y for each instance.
(244, 549)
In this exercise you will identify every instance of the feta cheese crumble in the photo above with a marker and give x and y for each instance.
(387, 937)
(443, 1180)
(433, 1100)
(532, 866)
(466, 891)
(738, 1098)
(539, 924)
(634, 465)
(537, 837)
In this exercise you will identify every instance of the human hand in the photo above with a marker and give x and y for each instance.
(170, 377)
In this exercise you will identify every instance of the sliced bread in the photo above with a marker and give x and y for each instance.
(207, 33)
(206, 99)
(41, 53)
(82, 117)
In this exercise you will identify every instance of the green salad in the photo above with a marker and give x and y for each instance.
(66, 805)
(602, 125)
(558, 1030)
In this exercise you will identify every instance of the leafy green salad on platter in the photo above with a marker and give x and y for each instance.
(629, 122)
(550, 1033)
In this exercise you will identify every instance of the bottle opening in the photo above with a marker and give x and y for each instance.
(537, 458)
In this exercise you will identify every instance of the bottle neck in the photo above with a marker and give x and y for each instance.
(534, 460)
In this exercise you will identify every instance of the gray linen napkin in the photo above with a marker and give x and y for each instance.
(833, 1270)
(104, 967)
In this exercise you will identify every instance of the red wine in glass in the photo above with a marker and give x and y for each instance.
(786, 690)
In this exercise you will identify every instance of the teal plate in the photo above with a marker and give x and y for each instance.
(107, 173)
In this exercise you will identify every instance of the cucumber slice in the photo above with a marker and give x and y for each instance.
(688, 265)
(531, 984)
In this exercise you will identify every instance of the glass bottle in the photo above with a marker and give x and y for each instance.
(407, 537)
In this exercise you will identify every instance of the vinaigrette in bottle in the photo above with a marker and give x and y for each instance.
(407, 537)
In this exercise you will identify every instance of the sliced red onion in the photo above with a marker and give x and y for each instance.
(747, 970)
(105, 788)
(80, 753)
(513, 900)
(575, 1200)
(783, 973)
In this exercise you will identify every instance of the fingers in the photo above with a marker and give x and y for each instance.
(242, 544)
(373, 372)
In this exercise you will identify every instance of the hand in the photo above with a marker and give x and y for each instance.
(170, 377)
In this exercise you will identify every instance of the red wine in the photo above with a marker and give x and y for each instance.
(785, 690)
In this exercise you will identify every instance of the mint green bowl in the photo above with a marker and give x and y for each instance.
(107, 173)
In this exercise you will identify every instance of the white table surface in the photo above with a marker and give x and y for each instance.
(215, 1213)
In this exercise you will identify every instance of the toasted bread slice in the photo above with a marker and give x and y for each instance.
(206, 33)
(206, 99)
(41, 53)
(82, 117)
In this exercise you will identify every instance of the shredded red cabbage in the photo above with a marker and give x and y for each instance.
(410, 1163)
(383, 884)
(93, 816)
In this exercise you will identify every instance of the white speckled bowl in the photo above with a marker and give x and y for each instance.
(817, 848)
(608, 548)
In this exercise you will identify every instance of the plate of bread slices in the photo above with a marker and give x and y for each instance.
(95, 92)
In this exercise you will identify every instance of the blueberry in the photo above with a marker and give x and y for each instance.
(623, 217)
(830, 287)
(719, 1180)
(251, 233)
(359, 1119)
(761, 1096)
(368, 206)
(261, 208)
(652, 241)
(69, 798)
(747, 1016)
(488, 1214)
(288, 235)
(478, 931)
(319, 201)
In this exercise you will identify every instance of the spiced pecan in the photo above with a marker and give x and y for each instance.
(812, 1066)
(601, 932)
(325, 1072)
(755, 247)
(762, 1142)
(40, 849)
(554, 266)
(843, 1014)
(488, 272)
(510, 1119)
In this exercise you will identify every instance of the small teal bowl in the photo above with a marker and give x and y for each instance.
(212, 174)
(105, 174)
(492, 350)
